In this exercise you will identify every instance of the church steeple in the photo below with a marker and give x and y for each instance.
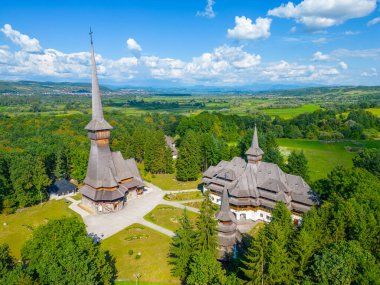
(254, 153)
(225, 214)
(98, 122)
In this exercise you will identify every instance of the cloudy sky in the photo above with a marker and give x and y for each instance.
(193, 42)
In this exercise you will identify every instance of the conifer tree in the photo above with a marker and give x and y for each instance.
(189, 160)
(254, 262)
(297, 164)
(182, 248)
(206, 227)
(40, 179)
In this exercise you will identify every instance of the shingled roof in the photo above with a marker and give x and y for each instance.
(255, 150)
(259, 184)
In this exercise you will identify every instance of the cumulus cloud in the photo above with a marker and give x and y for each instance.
(319, 56)
(374, 21)
(133, 45)
(224, 66)
(318, 14)
(25, 42)
(372, 72)
(245, 30)
(351, 33)
(209, 10)
(320, 41)
(343, 65)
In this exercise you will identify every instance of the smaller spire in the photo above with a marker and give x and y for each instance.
(225, 214)
(255, 150)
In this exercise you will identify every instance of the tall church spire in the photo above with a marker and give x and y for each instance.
(254, 153)
(98, 122)
(225, 214)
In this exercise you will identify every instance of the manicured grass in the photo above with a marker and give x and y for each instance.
(168, 216)
(193, 204)
(153, 246)
(288, 113)
(323, 156)
(168, 182)
(184, 196)
(77, 196)
(256, 228)
(21, 224)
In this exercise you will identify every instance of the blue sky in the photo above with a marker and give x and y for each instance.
(193, 42)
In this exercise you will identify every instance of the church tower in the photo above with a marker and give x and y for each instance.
(110, 179)
(254, 153)
(228, 234)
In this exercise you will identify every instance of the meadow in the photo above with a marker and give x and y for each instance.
(324, 156)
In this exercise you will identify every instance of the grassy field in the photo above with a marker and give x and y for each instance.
(184, 196)
(168, 182)
(288, 113)
(323, 156)
(19, 226)
(193, 204)
(153, 246)
(168, 216)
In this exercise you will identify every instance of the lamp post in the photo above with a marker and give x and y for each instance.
(137, 276)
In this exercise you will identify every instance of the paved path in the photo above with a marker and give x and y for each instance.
(106, 225)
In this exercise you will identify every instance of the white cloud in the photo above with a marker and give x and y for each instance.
(324, 13)
(319, 56)
(359, 53)
(372, 72)
(320, 41)
(351, 33)
(209, 10)
(245, 30)
(24, 41)
(374, 21)
(343, 65)
(293, 29)
(133, 45)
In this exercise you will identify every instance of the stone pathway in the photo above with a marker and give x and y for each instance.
(106, 225)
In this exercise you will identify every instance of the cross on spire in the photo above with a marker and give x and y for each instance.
(90, 33)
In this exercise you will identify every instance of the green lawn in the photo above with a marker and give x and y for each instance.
(288, 113)
(21, 224)
(193, 204)
(322, 156)
(184, 196)
(153, 246)
(77, 196)
(168, 216)
(168, 182)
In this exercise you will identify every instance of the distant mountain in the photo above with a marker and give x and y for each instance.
(41, 88)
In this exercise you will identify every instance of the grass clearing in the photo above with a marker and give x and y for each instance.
(183, 196)
(196, 205)
(324, 156)
(375, 111)
(154, 248)
(19, 226)
(168, 216)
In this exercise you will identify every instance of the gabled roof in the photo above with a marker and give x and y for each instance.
(61, 186)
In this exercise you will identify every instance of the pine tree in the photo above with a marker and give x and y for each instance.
(279, 233)
(206, 227)
(297, 165)
(40, 179)
(254, 262)
(188, 165)
(59, 169)
(181, 248)
(205, 269)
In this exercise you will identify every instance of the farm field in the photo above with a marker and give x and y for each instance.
(168, 216)
(153, 246)
(375, 111)
(19, 226)
(324, 156)
(288, 113)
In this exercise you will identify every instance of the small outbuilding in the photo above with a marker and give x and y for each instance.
(62, 187)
